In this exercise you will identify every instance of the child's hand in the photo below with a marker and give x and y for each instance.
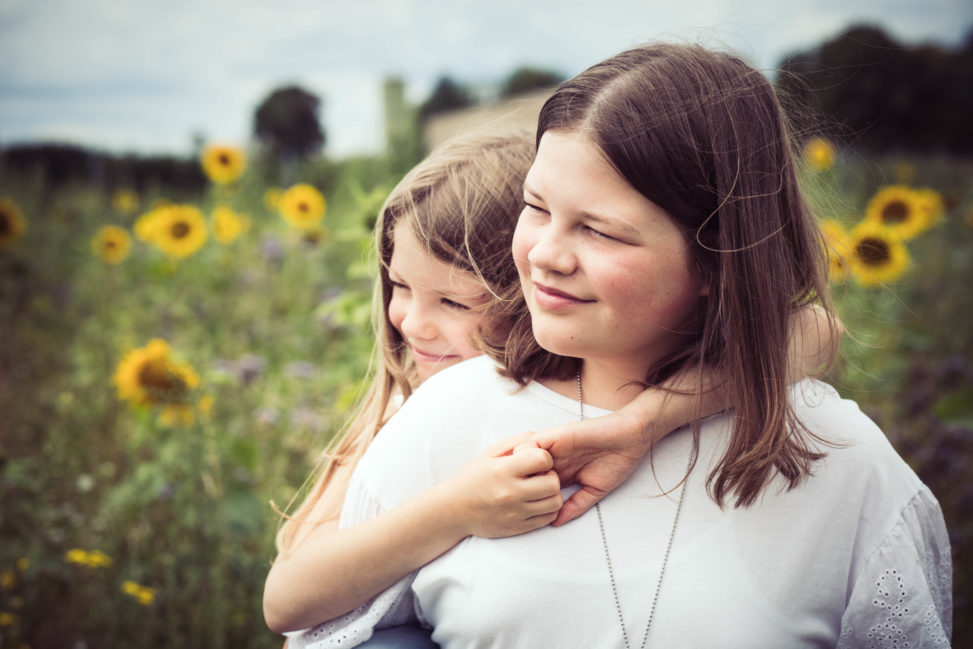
(508, 490)
(598, 454)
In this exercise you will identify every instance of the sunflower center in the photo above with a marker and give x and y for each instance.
(224, 160)
(895, 212)
(179, 230)
(4, 224)
(873, 251)
(110, 244)
(303, 207)
(156, 378)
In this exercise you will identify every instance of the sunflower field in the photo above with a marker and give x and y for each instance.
(172, 363)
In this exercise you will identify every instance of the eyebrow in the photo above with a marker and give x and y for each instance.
(612, 222)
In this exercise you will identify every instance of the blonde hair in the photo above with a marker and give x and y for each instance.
(462, 203)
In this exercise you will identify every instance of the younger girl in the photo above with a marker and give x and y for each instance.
(448, 290)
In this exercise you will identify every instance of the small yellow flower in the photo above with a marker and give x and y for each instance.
(223, 164)
(205, 404)
(905, 172)
(932, 205)
(148, 376)
(12, 223)
(819, 153)
(876, 255)
(112, 244)
(179, 231)
(272, 198)
(146, 225)
(142, 594)
(228, 225)
(302, 206)
(98, 559)
(898, 209)
(23, 563)
(76, 555)
(8, 619)
(125, 201)
(836, 243)
(8, 579)
(177, 415)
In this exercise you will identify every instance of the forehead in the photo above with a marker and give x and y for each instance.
(571, 173)
(413, 264)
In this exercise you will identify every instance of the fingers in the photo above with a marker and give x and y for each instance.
(528, 460)
(582, 500)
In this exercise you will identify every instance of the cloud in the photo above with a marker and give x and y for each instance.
(159, 71)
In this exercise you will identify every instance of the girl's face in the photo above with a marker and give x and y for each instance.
(435, 306)
(606, 272)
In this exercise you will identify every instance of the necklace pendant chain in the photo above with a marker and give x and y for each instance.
(665, 558)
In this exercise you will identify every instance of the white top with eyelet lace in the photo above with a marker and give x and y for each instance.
(856, 557)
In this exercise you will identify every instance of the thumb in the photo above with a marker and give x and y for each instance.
(510, 445)
(524, 446)
(581, 501)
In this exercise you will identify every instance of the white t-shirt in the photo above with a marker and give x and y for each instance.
(857, 556)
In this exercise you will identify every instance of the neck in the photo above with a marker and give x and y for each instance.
(604, 385)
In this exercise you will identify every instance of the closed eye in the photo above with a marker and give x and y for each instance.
(599, 233)
(398, 285)
(534, 207)
(454, 305)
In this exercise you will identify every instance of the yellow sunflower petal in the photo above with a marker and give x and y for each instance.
(898, 209)
(876, 255)
(303, 206)
(111, 244)
(223, 164)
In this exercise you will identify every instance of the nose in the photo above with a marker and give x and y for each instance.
(417, 323)
(552, 252)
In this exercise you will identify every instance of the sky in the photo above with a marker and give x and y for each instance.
(147, 76)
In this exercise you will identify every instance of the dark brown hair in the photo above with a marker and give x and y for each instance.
(702, 135)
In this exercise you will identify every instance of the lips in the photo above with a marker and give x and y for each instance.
(427, 357)
(549, 297)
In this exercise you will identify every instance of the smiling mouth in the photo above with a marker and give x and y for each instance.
(550, 297)
(420, 355)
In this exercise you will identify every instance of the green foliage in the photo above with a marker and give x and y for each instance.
(447, 95)
(182, 509)
(286, 121)
(887, 96)
(528, 78)
(276, 324)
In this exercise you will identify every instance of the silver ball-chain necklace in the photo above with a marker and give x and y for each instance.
(608, 559)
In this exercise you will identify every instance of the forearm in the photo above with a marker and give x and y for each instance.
(333, 571)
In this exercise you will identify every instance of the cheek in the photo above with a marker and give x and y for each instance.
(523, 242)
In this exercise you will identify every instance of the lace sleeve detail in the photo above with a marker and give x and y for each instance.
(391, 607)
(902, 597)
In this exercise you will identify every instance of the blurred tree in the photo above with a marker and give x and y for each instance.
(528, 78)
(447, 95)
(287, 123)
(888, 96)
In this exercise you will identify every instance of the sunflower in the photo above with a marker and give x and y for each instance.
(223, 164)
(12, 223)
(302, 206)
(146, 225)
(125, 201)
(179, 231)
(819, 153)
(836, 245)
(112, 244)
(149, 376)
(875, 254)
(932, 204)
(143, 594)
(899, 209)
(228, 225)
